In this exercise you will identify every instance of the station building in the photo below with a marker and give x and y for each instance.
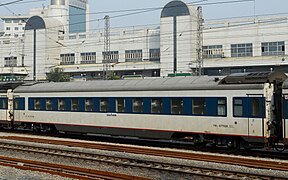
(63, 40)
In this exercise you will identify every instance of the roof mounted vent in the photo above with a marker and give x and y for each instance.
(254, 78)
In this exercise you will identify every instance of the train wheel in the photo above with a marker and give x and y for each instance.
(279, 147)
(245, 145)
(233, 144)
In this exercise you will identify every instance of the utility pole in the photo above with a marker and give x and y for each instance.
(107, 55)
(199, 48)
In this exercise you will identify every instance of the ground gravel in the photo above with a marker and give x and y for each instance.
(11, 173)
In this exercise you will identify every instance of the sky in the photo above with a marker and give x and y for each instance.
(210, 11)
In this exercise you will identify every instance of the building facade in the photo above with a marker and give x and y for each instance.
(78, 16)
(173, 47)
(246, 45)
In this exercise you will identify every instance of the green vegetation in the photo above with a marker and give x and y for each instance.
(57, 75)
(112, 76)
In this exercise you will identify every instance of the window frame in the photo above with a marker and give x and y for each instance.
(267, 48)
(242, 50)
(247, 107)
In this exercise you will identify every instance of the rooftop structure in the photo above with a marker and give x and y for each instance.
(229, 46)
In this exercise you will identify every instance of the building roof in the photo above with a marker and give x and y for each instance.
(15, 17)
(37, 22)
(175, 8)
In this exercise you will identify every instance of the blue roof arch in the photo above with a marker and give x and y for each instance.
(35, 22)
(175, 8)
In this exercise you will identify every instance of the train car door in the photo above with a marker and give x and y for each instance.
(10, 107)
(285, 117)
(3, 108)
(255, 107)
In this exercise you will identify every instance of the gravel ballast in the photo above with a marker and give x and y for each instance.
(12, 173)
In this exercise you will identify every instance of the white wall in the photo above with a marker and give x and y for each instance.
(121, 40)
(186, 42)
(246, 30)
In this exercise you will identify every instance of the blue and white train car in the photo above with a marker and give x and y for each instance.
(240, 108)
(285, 111)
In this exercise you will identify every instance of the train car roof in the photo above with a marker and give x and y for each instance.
(254, 78)
(285, 84)
(156, 84)
(4, 86)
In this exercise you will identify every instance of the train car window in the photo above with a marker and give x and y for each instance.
(285, 106)
(120, 105)
(19, 103)
(37, 104)
(16, 105)
(89, 104)
(61, 104)
(104, 105)
(238, 107)
(156, 105)
(138, 105)
(255, 107)
(4, 103)
(49, 104)
(198, 106)
(221, 107)
(177, 106)
(74, 104)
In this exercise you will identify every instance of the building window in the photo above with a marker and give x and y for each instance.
(16, 28)
(82, 36)
(88, 58)
(67, 59)
(8, 21)
(241, 50)
(273, 48)
(212, 51)
(7, 41)
(110, 57)
(8, 28)
(72, 37)
(10, 61)
(154, 54)
(133, 55)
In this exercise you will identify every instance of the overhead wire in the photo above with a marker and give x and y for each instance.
(141, 12)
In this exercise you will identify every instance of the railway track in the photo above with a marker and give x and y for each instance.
(63, 170)
(151, 165)
(253, 163)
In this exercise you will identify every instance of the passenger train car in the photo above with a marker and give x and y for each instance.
(241, 109)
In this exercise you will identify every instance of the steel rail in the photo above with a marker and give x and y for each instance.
(160, 166)
(240, 161)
